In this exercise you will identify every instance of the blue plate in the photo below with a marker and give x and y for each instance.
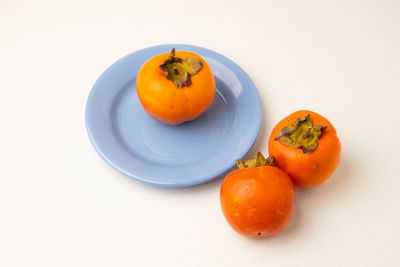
(136, 145)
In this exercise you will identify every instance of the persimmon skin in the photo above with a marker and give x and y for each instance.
(312, 168)
(257, 202)
(167, 103)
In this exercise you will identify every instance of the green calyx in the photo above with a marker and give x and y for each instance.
(258, 161)
(179, 71)
(302, 134)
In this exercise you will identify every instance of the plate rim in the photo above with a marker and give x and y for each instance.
(191, 182)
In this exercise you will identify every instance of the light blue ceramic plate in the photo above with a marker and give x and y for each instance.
(142, 148)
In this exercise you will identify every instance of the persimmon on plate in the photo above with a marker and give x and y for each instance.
(175, 87)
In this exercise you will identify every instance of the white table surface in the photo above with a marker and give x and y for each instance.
(62, 205)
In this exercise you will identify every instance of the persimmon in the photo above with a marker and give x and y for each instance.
(257, 200)
(175, 87)
(305, 145)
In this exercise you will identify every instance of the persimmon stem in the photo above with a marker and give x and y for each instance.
(258, 161)
(302, 134)
(178, 70)
(172, 54)
(307, 134)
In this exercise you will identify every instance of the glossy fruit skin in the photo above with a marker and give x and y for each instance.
(168, 103)
(312, 168)
(257, 202)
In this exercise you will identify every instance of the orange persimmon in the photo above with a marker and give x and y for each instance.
(175, 87)
(257, 200)
(305, 145)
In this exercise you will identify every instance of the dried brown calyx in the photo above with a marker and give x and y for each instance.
(258, 161)
(179, 71)
(302, 134)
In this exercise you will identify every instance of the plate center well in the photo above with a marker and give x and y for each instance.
(164, 144)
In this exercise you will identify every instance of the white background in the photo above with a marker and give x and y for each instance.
(61, 205)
